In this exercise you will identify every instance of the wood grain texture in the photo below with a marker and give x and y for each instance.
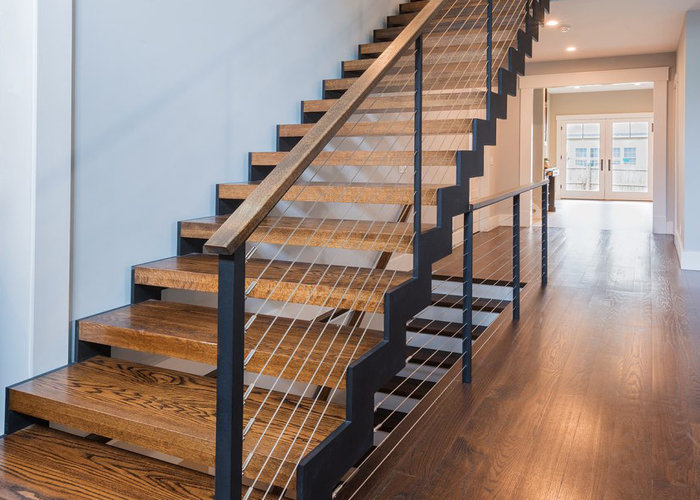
(364, 158)
(390, 104)
(291, 349)
(594, 394)
(253, 210)
(379, 236)
(174, 413)
(382, 128)
(382, 194)
(40, 463)
(452, 45)
(358, 289)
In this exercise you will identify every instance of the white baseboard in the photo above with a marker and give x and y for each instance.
(690, 261)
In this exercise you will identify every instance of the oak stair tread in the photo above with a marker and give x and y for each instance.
(375, 49)
(359, 289)
(291, 349)
(363, 158)
(431, 357)
(374, 193)
(407, 387)
(417, 5)
(462, 100)
(376, 236)
(174, 413)
(442, 328)
(404, 82)
(41, 463)
(478, 303)
(475, 24)
(385, 128)
(407, 12)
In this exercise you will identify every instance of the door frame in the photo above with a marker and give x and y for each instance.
(663, 223)
(605, 192)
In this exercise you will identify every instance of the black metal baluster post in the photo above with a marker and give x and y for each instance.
(418, 154)
(545, 235)
(516, 257)
(489, 57)
(467, 293)
(229, 384)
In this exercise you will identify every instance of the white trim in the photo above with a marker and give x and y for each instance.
(690, 261)
(595, 77)
(659, 76)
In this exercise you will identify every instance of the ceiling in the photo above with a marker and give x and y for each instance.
(605, 28)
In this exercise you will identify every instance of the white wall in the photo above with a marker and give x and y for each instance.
(688, 238)
(169, 98)
(170, 101)
(35, 188)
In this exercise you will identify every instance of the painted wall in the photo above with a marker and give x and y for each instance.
(170, 96)
(170, 101)
(689, 204)
(35, 187)
(589, 103)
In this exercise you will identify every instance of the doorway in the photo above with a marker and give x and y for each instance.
(606, 157)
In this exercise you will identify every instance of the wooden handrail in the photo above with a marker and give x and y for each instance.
(241, 224)
(496, 198)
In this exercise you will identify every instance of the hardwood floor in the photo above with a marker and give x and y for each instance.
(595, 394)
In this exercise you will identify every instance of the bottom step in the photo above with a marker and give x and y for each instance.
(40, 463)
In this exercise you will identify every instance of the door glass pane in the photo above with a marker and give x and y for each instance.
(583, 157)
(630, 158)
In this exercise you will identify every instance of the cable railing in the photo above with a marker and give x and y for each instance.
(321, 267)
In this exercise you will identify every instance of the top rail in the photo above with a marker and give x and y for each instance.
(492, 200)
(241, 224)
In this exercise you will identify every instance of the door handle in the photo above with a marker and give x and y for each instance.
(602, 162)
(609, 165)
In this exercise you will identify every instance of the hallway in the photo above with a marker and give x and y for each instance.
(595, 394)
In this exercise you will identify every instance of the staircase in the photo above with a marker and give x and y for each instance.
(328, 259)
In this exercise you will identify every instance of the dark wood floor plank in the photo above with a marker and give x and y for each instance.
(594, 394)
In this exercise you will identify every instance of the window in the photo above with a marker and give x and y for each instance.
(630, 157)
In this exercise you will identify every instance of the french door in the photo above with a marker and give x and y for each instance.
(607, 158)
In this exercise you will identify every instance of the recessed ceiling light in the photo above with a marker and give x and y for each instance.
(571, 49)
(552, 22)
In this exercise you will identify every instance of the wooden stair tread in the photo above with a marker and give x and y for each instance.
(386, 420)
(385, 128)
(45, 464)
(475, 25)
(431, 357)
(375, 49)
(377, 236)
(435, 102)
(403, 82)
(363, 158)
(478, 304)
(172, 412)
(311, 352)
(383, 194)
(438, 65)
(345, 287)
(407, 387)
(409, 11)
(441, 328)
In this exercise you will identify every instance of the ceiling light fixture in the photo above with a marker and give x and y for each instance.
(552, 22)
(571, 49)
